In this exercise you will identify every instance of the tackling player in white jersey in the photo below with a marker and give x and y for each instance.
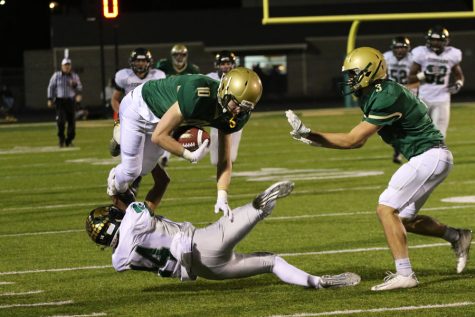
(127, 79)
(399, 61)
(433, 66)
(224, 62)
(144, 241)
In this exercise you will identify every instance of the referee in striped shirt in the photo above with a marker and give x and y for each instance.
(64, 92)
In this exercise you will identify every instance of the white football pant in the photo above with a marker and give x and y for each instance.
(138, 153)
(414, 181)
(440, 115)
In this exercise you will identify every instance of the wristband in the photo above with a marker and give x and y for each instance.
(459, 83)
(222, 194)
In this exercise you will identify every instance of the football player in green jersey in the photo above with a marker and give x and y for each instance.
(151, 112)
(178, 63)
(401, 119)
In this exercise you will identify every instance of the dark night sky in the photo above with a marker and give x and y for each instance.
(27, 22)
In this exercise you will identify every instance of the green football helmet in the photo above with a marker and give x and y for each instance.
(243, 86)
(102, 225)
(363, 66)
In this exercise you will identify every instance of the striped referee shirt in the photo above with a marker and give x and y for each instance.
(62, 85)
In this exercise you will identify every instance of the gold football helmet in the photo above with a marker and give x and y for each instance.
(179, 54)
(363, 65)
(103, 223)
(243, 86)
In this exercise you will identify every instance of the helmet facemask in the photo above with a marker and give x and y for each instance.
(102, 225)
(361, 68)
(140, 54)
(242, 86)
(437, 39)
(179, 54)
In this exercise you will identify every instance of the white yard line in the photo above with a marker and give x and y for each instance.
(6, 283)
(94, 267)
(21, 293)
(378, 310)
(87, 315)
(66, 302)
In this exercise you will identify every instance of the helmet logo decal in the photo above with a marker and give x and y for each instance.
(232, 123)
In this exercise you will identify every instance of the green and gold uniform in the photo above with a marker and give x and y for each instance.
(405, 122)
(197, 99)
(167, 67)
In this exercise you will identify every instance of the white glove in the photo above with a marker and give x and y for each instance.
(455, 88)
(116, 132)
(198, 154)
(299, 130)
(222, 204)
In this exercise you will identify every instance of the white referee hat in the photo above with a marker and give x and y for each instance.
(65, 61)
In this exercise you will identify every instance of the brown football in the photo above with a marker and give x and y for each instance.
(192, 138)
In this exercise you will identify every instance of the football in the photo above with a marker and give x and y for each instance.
(192, 138)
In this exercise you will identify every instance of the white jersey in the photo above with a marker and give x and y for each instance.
(150, 243)
(398, 70)
(126, 79)
(214, 75)
(437, 69)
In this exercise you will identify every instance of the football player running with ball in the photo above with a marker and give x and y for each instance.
(144, 241)
(401, 119)
(150, 113)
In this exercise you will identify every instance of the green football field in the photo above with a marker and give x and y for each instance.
(328, 225)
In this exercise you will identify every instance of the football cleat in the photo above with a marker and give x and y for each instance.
(395, 281)
(461, 248)
(340, 280)
(265, 201)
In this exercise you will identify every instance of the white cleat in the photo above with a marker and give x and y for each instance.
(461, 248)
(395, 281)
(265, 201)
(340, 280)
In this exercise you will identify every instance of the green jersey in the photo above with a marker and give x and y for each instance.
(405, 122)
(197, 99)
(167, 67)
